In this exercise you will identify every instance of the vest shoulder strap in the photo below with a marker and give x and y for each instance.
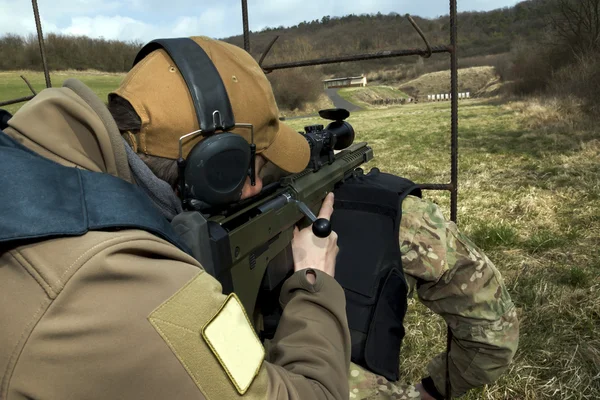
(42, 199)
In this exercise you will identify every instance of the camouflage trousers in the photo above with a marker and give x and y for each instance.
(365, 385)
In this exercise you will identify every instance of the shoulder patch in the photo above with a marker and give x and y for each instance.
(234, 342)
(213, 339)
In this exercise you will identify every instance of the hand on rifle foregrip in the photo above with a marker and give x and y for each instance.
(314, 252)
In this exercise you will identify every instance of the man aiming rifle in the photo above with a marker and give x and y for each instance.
(105, 300)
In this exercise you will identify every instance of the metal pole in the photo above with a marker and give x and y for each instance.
(246, 29)
(15, 101)
(454, 111)
(359, 57)
(453, 159)
(38, 25)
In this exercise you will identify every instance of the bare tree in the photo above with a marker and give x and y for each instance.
(577, 23)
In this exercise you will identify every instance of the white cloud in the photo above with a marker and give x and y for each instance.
(212, 22)
(116, 27)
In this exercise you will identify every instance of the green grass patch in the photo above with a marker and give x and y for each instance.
(575, 277)
(12, 86)
(489, 235)
(544, 239)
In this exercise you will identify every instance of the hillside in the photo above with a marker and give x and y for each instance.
(474, 80)
(365, 96)
(480, 33)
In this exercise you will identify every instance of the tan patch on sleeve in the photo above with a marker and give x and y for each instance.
(199, 314)
(235, 344)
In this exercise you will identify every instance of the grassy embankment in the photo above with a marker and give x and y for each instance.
(479, 81)
(12, 86)
(363, 96)
(529, 195)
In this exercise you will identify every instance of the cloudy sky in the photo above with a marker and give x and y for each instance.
(147, 19)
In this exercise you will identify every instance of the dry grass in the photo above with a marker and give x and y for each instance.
(529, 194)
(364, 96)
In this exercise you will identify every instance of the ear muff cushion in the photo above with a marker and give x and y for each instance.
(217, 167)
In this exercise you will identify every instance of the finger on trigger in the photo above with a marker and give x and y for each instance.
(327, 207)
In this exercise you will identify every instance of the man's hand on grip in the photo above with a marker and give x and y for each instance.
(313, 252)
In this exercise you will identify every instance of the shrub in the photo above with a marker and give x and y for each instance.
(582, 80)
(294, 88)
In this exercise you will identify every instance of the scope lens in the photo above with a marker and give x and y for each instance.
(343, 132)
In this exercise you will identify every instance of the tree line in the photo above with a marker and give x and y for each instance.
(480, 33)
(564, 61)
(66, 52)
(536, 45)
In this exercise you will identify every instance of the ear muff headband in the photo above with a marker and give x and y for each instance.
(217, 167)
(202, 79)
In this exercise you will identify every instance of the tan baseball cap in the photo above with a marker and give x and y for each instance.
(159, 95)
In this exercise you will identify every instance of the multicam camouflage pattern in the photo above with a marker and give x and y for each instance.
(365, 385)
(457, 281)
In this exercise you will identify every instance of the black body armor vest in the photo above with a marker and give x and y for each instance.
(366, 217)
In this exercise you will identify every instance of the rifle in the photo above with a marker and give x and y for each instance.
(247, 247)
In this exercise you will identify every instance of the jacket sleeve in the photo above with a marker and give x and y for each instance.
(311, 347)
(139, 319)
(457, 281)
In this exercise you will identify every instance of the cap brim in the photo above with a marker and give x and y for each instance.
(289, 151)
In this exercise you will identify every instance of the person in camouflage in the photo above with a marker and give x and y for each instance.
(457, 281)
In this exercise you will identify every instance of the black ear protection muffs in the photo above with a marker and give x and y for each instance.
(216, 168)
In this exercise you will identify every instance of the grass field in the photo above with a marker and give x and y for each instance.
(473, 80)
(529, 195)
(12, 86)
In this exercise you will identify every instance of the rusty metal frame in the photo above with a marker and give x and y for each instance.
(452, 187)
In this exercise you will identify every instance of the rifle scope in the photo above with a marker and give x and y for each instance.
(338, 135)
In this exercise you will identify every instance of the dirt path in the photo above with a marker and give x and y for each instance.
(340, 102)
